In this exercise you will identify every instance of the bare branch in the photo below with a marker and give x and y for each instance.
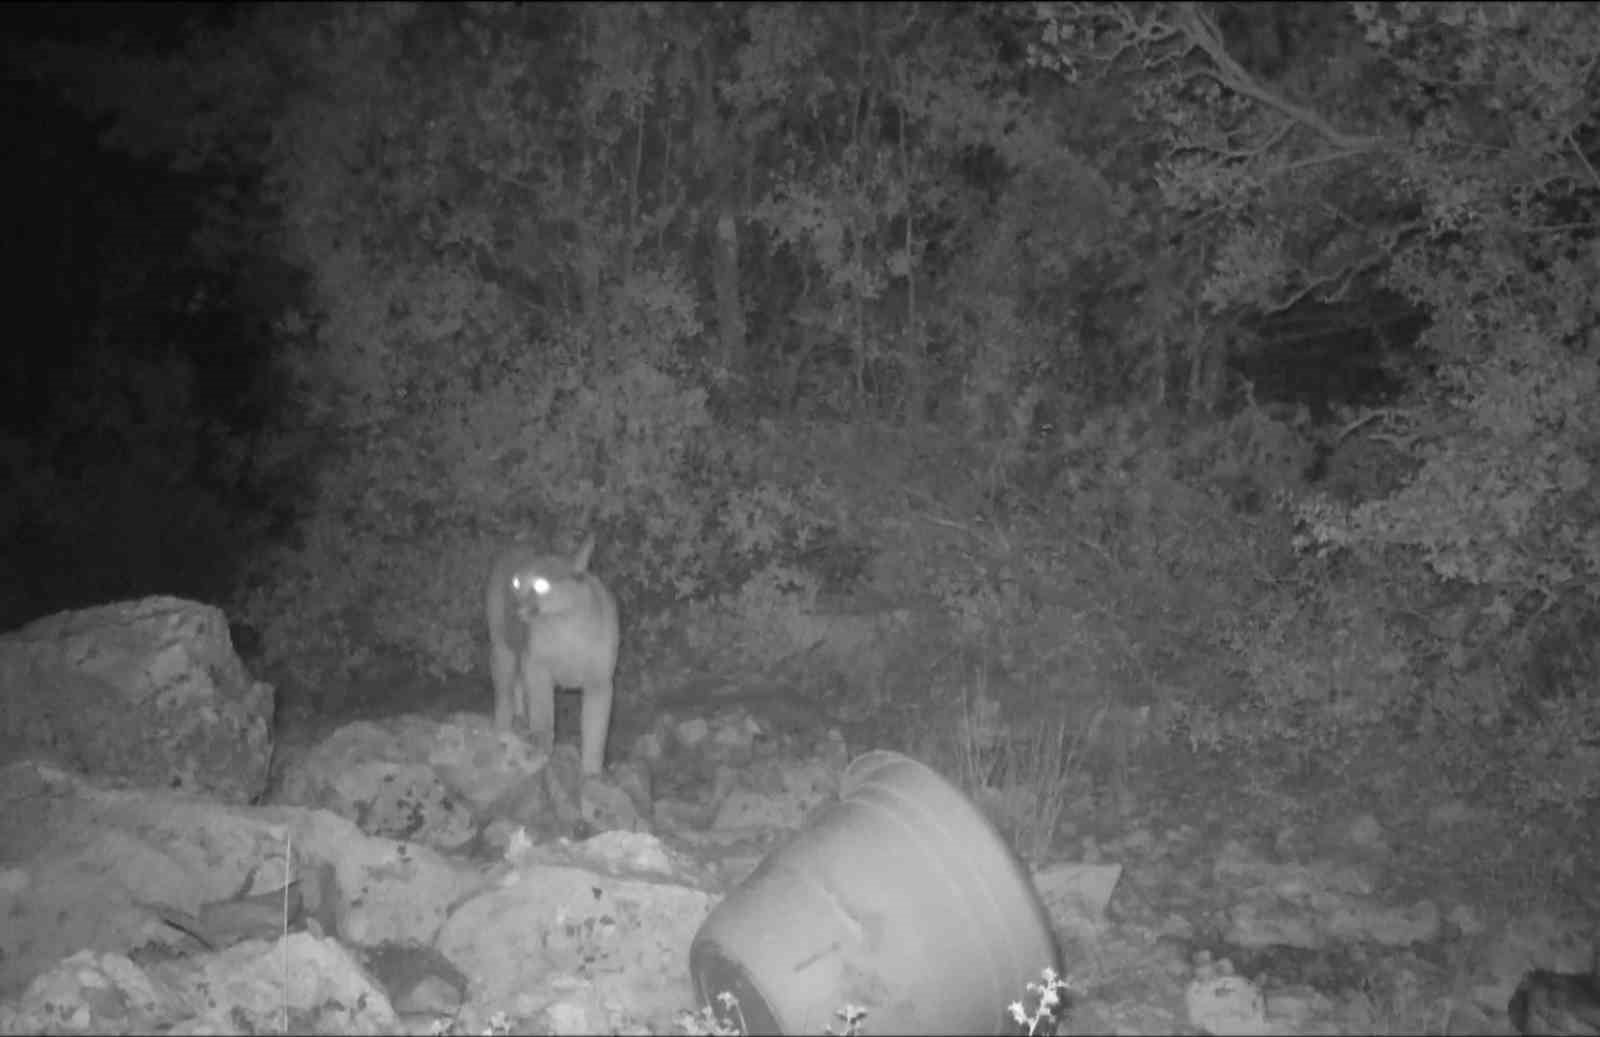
(1202, 33)
(1594, 178)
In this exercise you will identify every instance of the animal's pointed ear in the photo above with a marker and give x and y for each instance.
(580, 561)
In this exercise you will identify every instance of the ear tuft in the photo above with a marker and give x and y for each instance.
(580, 561)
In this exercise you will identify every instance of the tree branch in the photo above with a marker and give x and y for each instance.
(1202, 33)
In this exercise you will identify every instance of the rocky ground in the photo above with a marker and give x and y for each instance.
(1366, 901)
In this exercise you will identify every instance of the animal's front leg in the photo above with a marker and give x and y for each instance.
(503, 669)
(539, 704)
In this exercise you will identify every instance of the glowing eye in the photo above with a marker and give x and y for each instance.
(541, 586)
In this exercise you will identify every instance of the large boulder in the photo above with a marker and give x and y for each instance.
(148, 692)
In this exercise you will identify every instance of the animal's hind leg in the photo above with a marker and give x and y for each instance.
(596, 726)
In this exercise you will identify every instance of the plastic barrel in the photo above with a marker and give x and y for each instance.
(901, 899)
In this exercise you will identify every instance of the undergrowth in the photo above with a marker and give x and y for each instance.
(1155, 575)
(1039, 1011)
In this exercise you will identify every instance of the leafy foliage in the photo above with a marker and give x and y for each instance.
(727, 284)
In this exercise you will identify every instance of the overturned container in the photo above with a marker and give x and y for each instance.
(900, 899)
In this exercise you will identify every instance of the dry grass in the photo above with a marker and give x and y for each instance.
(1025, 778)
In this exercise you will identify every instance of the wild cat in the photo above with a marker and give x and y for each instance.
(552, 623)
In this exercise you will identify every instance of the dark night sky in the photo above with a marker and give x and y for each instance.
(107, 235)
(139, 25)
